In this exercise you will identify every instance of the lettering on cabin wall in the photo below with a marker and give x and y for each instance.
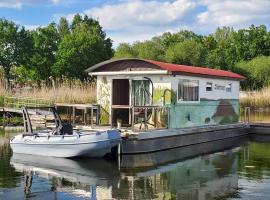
(220, 87)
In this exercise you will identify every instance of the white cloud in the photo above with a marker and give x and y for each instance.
(10, 4)
(17, 4)
(129, 21)
(55, 1)
(238, 13)
(132, 20)
(140, 13)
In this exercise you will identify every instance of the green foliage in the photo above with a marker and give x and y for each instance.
(85, 46)
(15, 46)
(45, 46)
(187, 52)
(225, 49)
(257, 72)
(63, 27)
(149, 50)
(125, 50)
(51, 52)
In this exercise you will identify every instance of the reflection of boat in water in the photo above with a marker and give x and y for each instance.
(94, 171)
(81, 177)
(63, 141)
(203, 177)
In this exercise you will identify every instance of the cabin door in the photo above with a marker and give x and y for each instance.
(120, 100)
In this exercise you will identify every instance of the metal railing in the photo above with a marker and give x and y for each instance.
(19, 102)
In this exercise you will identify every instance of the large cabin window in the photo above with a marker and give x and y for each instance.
(188, 90)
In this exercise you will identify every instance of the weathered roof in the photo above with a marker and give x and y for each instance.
(174, 68)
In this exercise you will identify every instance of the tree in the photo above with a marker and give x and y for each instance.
(77, 20)
(221, 51)
(84, 47)
(257, 72)
(149, 50)
(170, 39)
(188, 52)
(15, 46)
(45, 46)
(125, 50)
(63, 27)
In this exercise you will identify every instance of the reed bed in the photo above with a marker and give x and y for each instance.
(259, 99)
(62, 94)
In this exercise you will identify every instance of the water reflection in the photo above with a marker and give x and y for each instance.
(162, 175)
(258, 115)
(84, 178)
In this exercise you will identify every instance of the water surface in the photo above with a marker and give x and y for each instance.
(239, 172)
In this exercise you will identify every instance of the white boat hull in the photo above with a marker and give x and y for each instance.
(95, 144)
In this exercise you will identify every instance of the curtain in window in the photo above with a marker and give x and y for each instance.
(141, 92)
(188, 90)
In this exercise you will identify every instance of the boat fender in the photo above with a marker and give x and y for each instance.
(48, 137)
(62, 137)
(78, 136)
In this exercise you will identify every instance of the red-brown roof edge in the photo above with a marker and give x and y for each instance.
(175, 68)
(196, 70)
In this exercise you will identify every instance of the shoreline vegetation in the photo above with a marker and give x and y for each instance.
(257, 99)
(86, 94)
(77, 94)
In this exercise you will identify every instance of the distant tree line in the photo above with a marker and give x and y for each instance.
(245, 51)
(62, 51)
(57, 51)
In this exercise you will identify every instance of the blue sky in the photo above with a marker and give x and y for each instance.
(133, 20)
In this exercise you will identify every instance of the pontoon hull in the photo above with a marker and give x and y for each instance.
(86, 144)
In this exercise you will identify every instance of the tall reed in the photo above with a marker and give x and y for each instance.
(256, 99)
(62, 94)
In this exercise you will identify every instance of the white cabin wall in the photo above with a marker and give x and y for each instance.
(214, 94)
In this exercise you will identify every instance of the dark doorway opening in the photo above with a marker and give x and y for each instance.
(120, 92)
(120, 97)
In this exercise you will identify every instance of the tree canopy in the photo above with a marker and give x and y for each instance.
(15, 46)
(63, 50)
(226, 49)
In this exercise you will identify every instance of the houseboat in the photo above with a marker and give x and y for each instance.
(161, 105)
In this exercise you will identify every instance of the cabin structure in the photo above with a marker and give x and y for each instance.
(145, 94)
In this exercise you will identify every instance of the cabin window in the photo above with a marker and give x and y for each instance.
(209, 86)
(188, 90)
(229, 88)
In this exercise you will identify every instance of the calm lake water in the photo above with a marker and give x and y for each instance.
(242, 171)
